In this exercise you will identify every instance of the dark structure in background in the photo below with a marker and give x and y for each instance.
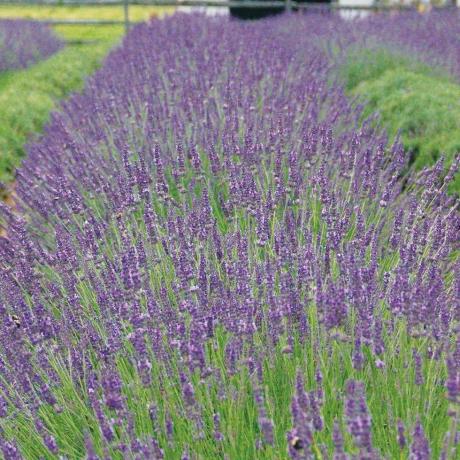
(258, 12)
(254, 13)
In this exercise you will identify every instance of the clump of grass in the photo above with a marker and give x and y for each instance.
(93, 34)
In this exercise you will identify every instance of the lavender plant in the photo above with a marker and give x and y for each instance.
(406, 66)
(432, 38)
(23, 43)
(211, 258)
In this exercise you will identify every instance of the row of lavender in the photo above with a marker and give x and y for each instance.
(23, 43)
(431, 38)
(215, 260)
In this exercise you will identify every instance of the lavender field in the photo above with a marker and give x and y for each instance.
(23, 43)
(433, 38)
(214, 256)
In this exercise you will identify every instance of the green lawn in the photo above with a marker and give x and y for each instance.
(136, 12)
(75, 33)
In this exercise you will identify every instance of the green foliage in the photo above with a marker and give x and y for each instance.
(371, 63)
(27, 97)
(391, 395)
(425, 110)
(391, 389)
(422, 103)
(88, 34)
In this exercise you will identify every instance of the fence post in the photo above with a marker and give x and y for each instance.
(288, 7)
(126, 14)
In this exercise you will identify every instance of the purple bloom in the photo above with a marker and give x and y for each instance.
(401, 436)
(112, 386)
(419, 448)
(218, 436)
(339, 453)
(10, 450)
(48, 439)
(25, 42)
(453, 374)
(266, 427)
(3, 406)
(358, 418)
(418, 368)
(202, 215)
(90, 452)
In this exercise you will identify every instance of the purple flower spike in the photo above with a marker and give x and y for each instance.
(358, 418)
(112, 390)
(10, 450)
(203, 216)
(419, 448)
(266, 427)
(401, 435)
(339, 453)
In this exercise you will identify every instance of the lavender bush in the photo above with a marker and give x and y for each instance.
(432, 38)
(212, 258)
(23, 43)
(406, 66)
